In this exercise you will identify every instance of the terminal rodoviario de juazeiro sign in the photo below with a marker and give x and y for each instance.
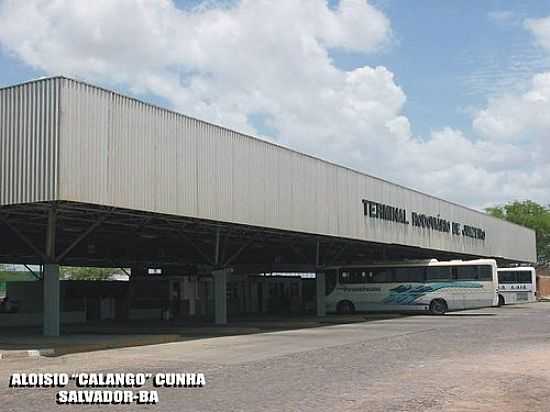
(421, 220)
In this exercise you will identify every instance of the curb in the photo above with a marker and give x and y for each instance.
(82, 348)
(31, 353)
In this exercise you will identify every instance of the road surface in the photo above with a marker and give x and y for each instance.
(495, 359)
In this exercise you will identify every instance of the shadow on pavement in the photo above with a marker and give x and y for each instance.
(92, 336)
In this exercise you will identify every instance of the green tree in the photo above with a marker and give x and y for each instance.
(532, 215)
(87, 273)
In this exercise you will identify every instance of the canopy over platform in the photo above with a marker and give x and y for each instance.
(89, 177)
(108, 160)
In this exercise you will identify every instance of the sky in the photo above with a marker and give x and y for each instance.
(451, 98)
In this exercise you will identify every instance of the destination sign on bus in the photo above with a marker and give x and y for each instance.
(395, 214)
(516, 287)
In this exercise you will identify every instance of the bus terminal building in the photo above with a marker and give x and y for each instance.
(89, 177)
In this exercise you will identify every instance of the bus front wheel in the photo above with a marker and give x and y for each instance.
(345, 307)
(438, 307)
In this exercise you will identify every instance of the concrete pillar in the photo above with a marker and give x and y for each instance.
(190, 293)
(192, 307)
(220, 295)
(50, 281)
(320, 291)
(51, 300)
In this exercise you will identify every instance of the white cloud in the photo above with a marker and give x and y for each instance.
(228, 64)
(479, 173)
(540, 28)
(520, 117)
(520, 121)
(215, 63)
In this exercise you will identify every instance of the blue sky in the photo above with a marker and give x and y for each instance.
(441, 46)
(449, 71)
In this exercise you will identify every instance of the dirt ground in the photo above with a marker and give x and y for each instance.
(506, 382)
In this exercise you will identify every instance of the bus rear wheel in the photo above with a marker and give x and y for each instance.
(500, 300)
(345, 307)
(438, 307)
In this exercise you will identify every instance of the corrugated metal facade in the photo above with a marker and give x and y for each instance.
(29, 131)
(120, 152)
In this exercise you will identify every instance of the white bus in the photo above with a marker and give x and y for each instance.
(428, 286)
(517, 285)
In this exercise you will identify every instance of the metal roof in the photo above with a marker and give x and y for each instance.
(67, 140)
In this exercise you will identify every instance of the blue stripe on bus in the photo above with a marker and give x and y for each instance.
(409, 294)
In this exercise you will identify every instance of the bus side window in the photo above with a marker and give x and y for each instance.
(344, 277)
(485, 272)
(438, 273)
(401, 274)
(417, 274)
(524, 277)
(382, 275)
(409, 274)
(507, 276)
(465, 272)
(353, 277)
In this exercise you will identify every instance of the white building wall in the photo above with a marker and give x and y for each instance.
(117, 151)
(29, 126)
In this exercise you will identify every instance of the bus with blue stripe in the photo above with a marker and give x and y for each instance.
(430, 286)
